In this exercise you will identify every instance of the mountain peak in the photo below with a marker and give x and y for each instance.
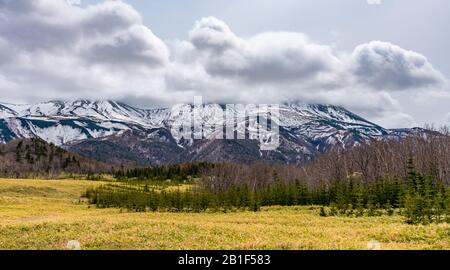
(304, 128)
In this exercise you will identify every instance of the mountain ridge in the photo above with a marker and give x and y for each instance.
(79, 125)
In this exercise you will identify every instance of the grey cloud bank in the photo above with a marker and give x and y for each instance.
(53, 49)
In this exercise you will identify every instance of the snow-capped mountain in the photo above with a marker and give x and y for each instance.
(61, 122)
(100, 128)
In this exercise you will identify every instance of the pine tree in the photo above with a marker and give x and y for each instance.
(28, 155)
(359, 201)
(389, 208)
(371, 208)
(333, 210)
(446, 205)
(255, 204)
(411, 173)
(412, 208)
(19, 152)
(341, 197)
(438, 207)
(350, 211)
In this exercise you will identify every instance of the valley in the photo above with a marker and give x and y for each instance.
(116, 178)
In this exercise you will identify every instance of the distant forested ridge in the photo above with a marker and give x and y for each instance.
(37, 158)
(172, 172)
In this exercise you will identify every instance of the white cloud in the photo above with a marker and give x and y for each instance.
(447, 118)
(74, 2)
(55, 49)
(136, 46)
(382, 65)
(269, 57)
(108, 31)
(213, 35)
(395, 119)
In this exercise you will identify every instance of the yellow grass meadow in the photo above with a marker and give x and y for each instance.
(46, 214)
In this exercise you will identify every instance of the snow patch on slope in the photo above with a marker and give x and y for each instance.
(60, 134)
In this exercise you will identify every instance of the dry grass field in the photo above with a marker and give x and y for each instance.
(46, 214)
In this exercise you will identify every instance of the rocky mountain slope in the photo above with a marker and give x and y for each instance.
(116, 132)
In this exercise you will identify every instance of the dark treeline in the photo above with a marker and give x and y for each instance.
(409, 176)
(421, 199)
(173, 172)
(242, 197)
(36, 158)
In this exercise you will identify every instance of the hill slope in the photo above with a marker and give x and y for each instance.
(35, 157)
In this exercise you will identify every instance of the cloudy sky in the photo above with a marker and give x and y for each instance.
(388, 62)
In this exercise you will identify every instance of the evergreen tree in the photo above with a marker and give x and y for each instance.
(19, 152)
(389, 208)
(333, 210)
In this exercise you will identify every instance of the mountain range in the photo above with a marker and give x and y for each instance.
(115, 132)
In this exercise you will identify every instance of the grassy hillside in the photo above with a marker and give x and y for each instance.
(45, 214)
